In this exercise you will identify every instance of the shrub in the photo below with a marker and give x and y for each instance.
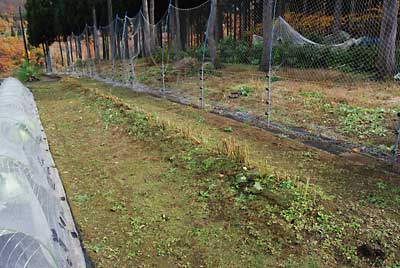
(28, 71)
(79, 63)
(186, 64)
(176, 54)
(209, 68)
(159, 53)
(197, 53)
(171, 54)
(357, 59)
(227, 52)
(256, 53)
(239, 52)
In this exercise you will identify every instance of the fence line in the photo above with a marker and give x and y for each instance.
(219, 47)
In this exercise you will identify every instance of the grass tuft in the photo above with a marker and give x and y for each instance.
(234, 151)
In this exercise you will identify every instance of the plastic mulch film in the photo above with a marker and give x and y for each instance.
(36, 225)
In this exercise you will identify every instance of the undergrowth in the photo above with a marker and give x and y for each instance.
(362, 122)
(302, 211)
(353, 121)
(28, 71)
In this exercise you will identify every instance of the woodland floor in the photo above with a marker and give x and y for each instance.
(151, 186)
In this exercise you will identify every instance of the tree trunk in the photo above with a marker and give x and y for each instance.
(87, 43)
(305, 7)
(212, 35)
(95, 35)
(240, 7)
(352, 15)
(184, 31)
(48, 54)
(230, 20)
(103, 41)
(45, 58)
(143, 43)
(23, 35)
(228, 25)
(111, 24)
(71, 51)
(160, 32)
(78, 46)
(244, 24)
(152, 8)
(234, 21)
(220, 21)
(171, 30)
(268, 6)
(147, 34)
(61, 51)
(281, 8)
(67, 50)
(126, 40)
(118, 43)
(178, 27)
(77, 54)
(152, 21)
(336, 21)
(324, 9)
(387, 40)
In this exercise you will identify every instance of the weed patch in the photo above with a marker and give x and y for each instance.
(361, 122)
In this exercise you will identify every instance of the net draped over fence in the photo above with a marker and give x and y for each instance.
(224, 54)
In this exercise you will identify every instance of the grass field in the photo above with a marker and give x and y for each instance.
(156, 184)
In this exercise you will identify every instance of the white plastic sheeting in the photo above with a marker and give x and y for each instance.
(284, 33)
(36, 225)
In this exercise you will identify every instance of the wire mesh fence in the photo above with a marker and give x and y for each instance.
(326, 67)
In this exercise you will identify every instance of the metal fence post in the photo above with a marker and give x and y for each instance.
(269, 74)
(163, 47)
(397, 144)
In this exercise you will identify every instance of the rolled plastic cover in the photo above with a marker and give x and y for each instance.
(36, 225)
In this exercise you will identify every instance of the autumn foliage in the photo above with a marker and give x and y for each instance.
(366, 23)
(12, 49)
